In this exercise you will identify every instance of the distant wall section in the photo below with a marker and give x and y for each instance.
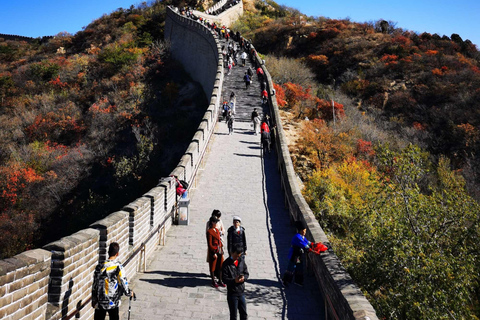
(225, 18)
(195, 47)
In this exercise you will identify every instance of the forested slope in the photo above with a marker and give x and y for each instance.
(87, 123)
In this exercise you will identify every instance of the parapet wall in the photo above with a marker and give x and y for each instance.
(343, 299)
(55, 282)
(24, 282)
(195, 47)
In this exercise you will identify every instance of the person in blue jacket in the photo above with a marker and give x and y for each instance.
(299, 245)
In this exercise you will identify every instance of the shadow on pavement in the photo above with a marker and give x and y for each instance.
(179, 279)
(281, 232)
(247, 155)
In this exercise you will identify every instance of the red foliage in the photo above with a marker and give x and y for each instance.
(295, 92)
(389, 59)
(280, 94)
(57, 83)
(53, 124)
(365, 148)
(325, 107)
(418, 126)
(14, 180)
(102, 106)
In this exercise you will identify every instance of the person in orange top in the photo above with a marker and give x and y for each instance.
(215, 252)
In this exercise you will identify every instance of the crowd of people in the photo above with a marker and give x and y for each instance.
(233, 272)
(226, 6)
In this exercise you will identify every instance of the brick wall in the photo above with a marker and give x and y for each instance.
(24, 285)
(73, 262)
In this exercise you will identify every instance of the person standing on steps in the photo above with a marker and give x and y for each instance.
(109, 284)
(247, 80)
(250, 72)
(255, 120)
(234, 275)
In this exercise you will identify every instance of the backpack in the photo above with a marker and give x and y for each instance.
(107, 290)
(184, 184)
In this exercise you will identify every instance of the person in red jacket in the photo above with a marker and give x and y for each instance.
(215, 252)
(265, 136)
(264, 97)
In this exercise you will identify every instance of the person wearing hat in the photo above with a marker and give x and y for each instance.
(299, 245)
(236, 235)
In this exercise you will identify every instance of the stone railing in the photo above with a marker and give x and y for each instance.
(55, 282)
(343, 299)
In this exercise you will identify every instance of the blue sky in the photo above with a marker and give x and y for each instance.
(35, 18)
(443, 17)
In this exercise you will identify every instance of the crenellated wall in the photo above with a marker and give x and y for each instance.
(55, 282)
(24, 282)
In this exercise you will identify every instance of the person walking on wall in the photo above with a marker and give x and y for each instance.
(255, 120)
(244, 56)
(233, 102)
(265, 136)
(234, 275)
(230, 123)
(109, 284)
(247, 80)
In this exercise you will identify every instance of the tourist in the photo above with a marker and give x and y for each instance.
(234, 275)
(109, 284)
(215, 252)
(299, 245)
(230, 123)
(247, 80)
(233, 102)
(244, 56)
(236, 235)
(255, 120)
(265, 136)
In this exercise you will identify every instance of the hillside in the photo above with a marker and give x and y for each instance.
(82, 119)
(424, 82)
(391, 169)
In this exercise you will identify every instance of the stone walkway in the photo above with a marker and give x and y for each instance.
(237, 180)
